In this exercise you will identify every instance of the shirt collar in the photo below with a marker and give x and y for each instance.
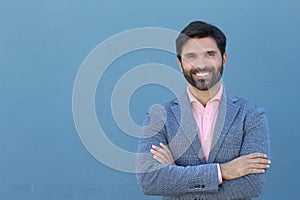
(217, 97)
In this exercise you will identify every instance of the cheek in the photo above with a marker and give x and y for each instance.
(216, 63)
(187, 66)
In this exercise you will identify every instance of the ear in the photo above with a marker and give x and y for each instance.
(180, 65)
(224, 59)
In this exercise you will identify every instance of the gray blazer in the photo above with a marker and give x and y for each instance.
(241, 128)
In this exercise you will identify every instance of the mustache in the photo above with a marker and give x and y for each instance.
(205, 69)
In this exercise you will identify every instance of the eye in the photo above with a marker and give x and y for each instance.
(190, 56)
(211, 53)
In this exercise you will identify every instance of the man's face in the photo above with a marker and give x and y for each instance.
(202, 62)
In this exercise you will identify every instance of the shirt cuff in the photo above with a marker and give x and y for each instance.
(220, 180)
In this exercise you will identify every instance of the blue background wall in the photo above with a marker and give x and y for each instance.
(43, 43)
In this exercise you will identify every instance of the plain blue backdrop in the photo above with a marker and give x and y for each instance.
(43, 43)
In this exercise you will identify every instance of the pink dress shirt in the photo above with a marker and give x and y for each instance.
(205, 118)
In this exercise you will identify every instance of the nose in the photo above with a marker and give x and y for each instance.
(200, 63)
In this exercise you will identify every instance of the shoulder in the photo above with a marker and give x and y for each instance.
(183, 99)
(168, 109)
(252, 114)
(244, 104)
(163, 108)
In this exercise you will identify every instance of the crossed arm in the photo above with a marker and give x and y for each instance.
(254, 163)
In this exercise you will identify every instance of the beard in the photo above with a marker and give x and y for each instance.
(204, 84)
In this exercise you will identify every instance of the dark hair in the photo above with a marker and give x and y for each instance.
(199, 29)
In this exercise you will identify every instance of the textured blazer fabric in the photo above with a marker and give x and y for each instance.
(241, 129)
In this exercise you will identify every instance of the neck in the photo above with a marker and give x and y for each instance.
(204, 96)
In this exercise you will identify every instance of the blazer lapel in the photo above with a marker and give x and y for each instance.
(227, 113)
(184, 116)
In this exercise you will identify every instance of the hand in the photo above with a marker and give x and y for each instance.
(162, 154)
(254, 163)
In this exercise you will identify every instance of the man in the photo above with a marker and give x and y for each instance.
(206, 144)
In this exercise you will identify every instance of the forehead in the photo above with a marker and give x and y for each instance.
(200, 45)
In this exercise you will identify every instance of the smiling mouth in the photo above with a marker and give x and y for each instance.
(201, 74)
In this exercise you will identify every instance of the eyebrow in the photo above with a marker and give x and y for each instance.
(211, 51)
(189, 54)
(192, 54)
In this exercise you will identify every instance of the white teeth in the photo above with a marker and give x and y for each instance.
(202, 74)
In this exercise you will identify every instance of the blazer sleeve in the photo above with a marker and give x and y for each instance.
(256, 139)
(168, 180)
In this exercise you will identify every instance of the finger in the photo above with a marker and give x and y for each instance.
(160, 155)
(160, 160)
(256, 171)
(257, 155)
(259, 166)
(155, 147)
(163, 153)
(165, 147)
(260, 161)
(160, 149)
